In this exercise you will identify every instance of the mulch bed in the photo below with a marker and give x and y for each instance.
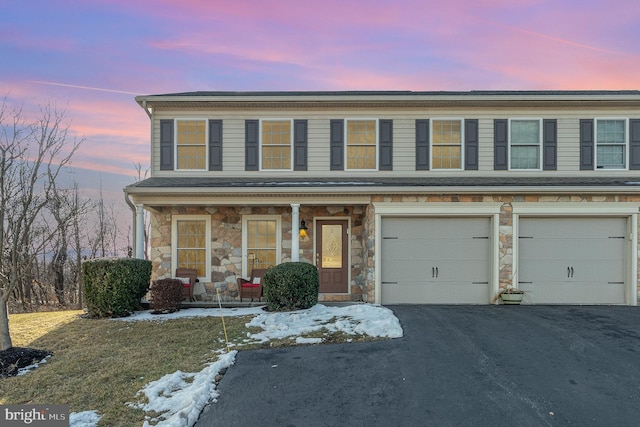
(16, 358)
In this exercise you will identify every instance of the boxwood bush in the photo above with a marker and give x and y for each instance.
(291, 286)
(113, 287)
(165, 295)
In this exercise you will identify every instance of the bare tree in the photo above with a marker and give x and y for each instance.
(104, 241)
(32, 156)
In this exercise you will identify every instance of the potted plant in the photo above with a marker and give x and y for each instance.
(510, 296)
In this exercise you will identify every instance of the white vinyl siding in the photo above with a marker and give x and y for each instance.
(568, 145)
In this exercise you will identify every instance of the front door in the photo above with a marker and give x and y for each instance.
(332, 248)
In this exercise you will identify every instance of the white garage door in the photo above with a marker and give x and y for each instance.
(435, 260)
(572, 260)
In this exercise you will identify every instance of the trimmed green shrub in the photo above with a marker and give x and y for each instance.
(165, 295)
(291, 286)
(113, 287)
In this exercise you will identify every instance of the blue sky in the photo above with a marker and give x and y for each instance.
(93, 57)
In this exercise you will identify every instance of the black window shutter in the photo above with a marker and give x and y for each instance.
(634, 144)
(166, 145)
(251, 145)
(300, 145)
(586, 144)
(471, 144)
(422, 144)
(215, 145)
(500, 145)
(337, 145)
(386, 145)
(550, 145)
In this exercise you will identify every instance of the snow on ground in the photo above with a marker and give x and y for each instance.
(84, 419)
(361, 319)
(193, 312)
(180, 396)
(31, 367)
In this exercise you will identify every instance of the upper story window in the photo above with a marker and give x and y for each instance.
(276, 141)
(191, 144)
(525, 136)
(446, 137)
(362, 139)
(611, 143)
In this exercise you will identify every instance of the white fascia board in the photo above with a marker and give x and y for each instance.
(249, 200)
(437, 208)
(575, 208)
(358, 190)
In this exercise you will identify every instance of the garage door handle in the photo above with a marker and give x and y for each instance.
(436, 271)
(568, 271)
(433, 272)
(571, 271)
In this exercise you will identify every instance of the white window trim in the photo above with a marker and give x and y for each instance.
(174, 242)
(625, 150)
(540, 147)
(346, 142)
(206, 143)
(260, 146)
(245, 255)
(431, 145)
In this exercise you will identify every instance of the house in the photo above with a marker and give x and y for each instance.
(406, 197)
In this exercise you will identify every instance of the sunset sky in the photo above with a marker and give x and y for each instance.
(93, 57)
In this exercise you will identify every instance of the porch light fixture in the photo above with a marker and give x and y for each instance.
(303, 229)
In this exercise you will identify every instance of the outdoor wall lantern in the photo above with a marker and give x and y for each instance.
(303, 229)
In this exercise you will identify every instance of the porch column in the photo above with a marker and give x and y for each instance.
(295, 232)
(139, 231)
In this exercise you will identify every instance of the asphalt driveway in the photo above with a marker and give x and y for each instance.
(455, 365)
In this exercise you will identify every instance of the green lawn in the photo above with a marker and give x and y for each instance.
(100, 364)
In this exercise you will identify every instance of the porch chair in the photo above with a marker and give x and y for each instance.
(251, 288)
(187, 288)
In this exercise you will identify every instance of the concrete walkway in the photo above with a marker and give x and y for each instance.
(455, 366)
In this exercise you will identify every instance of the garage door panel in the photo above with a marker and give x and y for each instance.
(435, 260)
(572, 226)
(434, 293)
(569, 293)
(577, 260)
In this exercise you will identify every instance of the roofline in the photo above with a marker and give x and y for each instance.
(391, 96)
(185, 192)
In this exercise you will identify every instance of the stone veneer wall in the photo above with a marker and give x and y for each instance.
(505, 226)
(226, 243)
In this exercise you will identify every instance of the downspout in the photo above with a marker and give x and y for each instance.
(133, 219)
